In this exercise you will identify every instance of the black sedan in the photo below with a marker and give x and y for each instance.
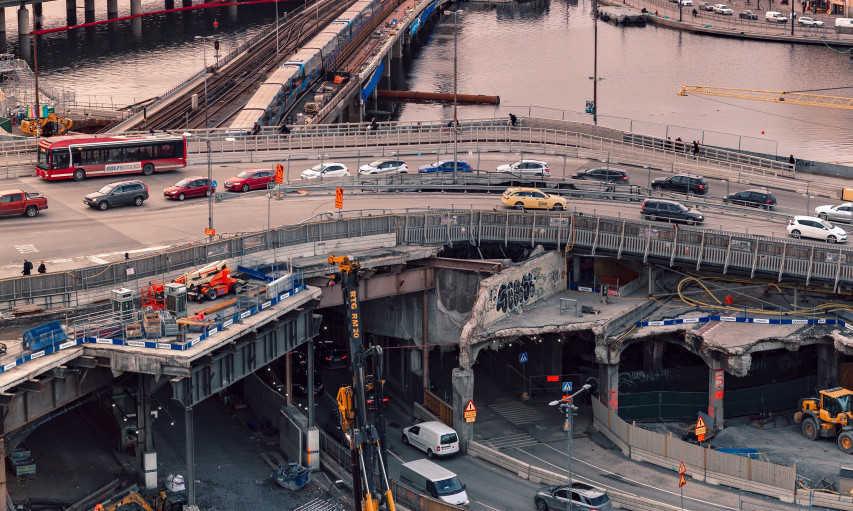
(607, 175)
(754, 198)
(747, 15)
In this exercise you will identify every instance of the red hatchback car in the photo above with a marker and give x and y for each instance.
(255, 179)
(193, 186)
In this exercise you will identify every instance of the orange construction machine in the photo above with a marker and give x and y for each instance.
(209, 282)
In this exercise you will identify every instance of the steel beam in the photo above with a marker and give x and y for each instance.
(380, 286)
(447, 263)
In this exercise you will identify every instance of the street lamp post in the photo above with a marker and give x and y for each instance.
(455, 122)
(204, 54)
(595, 62)
(276, 28)
(566, 404)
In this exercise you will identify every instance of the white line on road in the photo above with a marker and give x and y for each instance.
(486, 505)
(575, 476)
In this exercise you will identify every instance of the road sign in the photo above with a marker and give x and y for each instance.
(700, 430)
(522, 358)
(567, 386)
(209, 232)
(339, 198)
(279, 173)
(470, 412)
(682, 469)
(552, 378)
(682, 481)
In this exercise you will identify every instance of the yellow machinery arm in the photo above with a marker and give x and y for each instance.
(797, 98)
(132, 498)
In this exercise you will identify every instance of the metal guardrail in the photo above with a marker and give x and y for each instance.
(691, 247)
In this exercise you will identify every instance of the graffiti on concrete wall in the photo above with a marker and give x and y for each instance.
(524, 285)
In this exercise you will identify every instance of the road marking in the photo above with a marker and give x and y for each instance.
(26, 249)
(575, 476)
(515, 412)
(486, 505)
(638, 482)
(97, 260)
(510, 441)
(392, 454)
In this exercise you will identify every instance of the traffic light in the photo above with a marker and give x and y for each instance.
(216, 45)
(215, 24)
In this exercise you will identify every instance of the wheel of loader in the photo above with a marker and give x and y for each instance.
(211, 294)
(845, 441)
(810, 428)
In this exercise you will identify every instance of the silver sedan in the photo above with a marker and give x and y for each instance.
(839, 213)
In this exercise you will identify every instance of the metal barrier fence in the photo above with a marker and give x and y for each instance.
(702, 463)
(411, 499)
(439, 408)
(691, 247)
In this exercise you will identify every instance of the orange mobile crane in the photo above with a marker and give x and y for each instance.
(367, 423)
(210, 281)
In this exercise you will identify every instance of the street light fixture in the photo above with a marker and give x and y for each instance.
(210, 181)
(566, 404)
(455, 122)
(204, 38)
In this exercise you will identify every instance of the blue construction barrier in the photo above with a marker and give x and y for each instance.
(45, 335)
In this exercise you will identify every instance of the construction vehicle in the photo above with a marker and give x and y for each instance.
(828, 415)
(362, 423)
(49, 126)
(133, 501)
(210, 281)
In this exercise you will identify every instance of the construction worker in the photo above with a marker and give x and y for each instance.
(99, 507)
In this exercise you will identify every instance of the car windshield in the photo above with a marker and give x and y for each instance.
(107, 189)
(681, 207)
(244, 174)
(845, 402)
(598, 501)
(318, 167)
(375, 163)
(182, 183)
(827, 224)
(448, 486)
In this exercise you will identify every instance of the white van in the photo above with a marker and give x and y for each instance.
(775, 17)
(434, 438)
(435, 481)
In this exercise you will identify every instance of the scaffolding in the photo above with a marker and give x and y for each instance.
(18, 81)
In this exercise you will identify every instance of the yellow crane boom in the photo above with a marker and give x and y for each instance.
(797, 98)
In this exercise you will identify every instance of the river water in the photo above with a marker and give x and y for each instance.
(537, 53)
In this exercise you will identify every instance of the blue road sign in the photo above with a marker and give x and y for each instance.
(567, 386)
(522, 358)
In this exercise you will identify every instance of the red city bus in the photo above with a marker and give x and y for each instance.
(80, 156)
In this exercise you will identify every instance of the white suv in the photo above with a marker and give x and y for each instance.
(811, 227)
(775, 17)
(723, 9)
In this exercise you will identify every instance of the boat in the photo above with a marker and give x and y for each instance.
(621, 15)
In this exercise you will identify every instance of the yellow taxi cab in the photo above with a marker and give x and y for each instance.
(532, 198)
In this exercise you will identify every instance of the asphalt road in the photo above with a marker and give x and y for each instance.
(70, 235)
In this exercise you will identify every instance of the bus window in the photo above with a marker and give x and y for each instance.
(60, 159)
(146, 152)
(167, 150)
(115, 155)
(77, 156)
(131, 153)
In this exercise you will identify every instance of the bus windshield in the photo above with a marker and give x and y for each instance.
(42, 160)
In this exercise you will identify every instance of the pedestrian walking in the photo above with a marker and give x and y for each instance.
(667, 145)
(28, 267)
(42, 267)
(696, 148)
(656, 12)
(256, 129)
(284, 130)
(513, 120)
(679, 144)
(695, 12)
(373, 124)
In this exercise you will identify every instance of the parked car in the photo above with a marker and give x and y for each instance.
(255, 179)
(435, 481)
(532, 198)
(754, 198)
(19, 202)
(526, 168)
(300, 381)
(194, 186)
(116, 194)
(608, 175)
(384, 167)
(812, 227)
(445, 166)
(686, 2)
(653, 209)
(584, 498)
(810, 22)
(326, 170)
(706, 6)
(775, 17)
(839, 213)
(747, 15)
(682, 183)
(435, 438)
(723, 9)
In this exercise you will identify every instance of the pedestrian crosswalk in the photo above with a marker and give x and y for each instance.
(512, 441)
(516, 413)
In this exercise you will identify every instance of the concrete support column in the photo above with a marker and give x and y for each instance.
(24, 20)
(397, 48)
(145, 456)
(190, 448)
(3, 475)
(71, 5)
(608, 382)
(652, 356)
(311, 383)
(186, 3)
(651, 281)
(827, 366)
(554, 357)
(135, 7)
(112, 9)
(716, 388)
(71, 12)
(3, 20)
(575, 269)
(288, 377)
(169, 4)
(425, 337)
(89, 6)
(463, 391)
(233, 12)
(386, 69)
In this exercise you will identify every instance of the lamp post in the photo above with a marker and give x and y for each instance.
(594, 63)
(204, 38)
(570, 411)
(455, 122)
(793, 13)
(276, 28)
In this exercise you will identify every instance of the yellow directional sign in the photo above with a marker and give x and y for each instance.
(682, 481)
(339, 198)
(279, 173)
(700, 429)
(470, 412)
(682, 469)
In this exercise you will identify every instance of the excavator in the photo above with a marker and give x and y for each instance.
(210, 281)
(132, 501)
(363, 423)
(49, 126)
